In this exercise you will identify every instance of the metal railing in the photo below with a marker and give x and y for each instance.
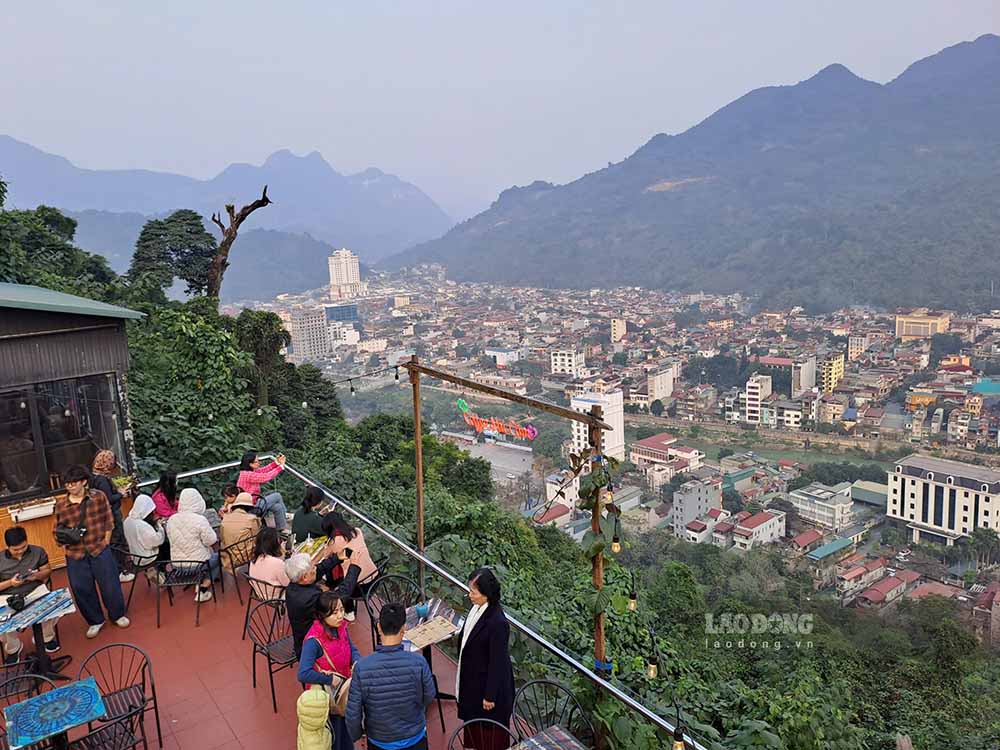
(567, 659)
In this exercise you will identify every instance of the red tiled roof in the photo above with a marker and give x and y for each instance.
(806, 538)
(908, 576)
(875, 564)
(933, 588)
(743, 514)
(696, 525)
(879, 591)
(722, 527)
(557, 510)
(657, 442)
(776, 361)
(757, 519)
(853, 573)
(986, 599)
(715, 512)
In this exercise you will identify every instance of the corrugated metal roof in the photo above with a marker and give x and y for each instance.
(26, 297)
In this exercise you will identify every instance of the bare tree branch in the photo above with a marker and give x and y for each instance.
(221, 260)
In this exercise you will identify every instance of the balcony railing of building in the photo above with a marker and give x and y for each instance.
(448, 585)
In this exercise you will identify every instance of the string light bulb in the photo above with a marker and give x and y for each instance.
(633, 602)
(67, 413)
(679, 743)
(260, 412)
(397, 373)
(24, 405)
(353, 391)
(616, 544)
(305, 404)
(652, 670)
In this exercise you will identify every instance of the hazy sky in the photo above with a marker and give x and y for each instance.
(462, 98)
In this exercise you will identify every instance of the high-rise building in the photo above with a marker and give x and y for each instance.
(940, 500)
(310, 337)
(758, 388)
(566, 361)
(612, 404)
(345, 275)
(856, 345)
(831, 371)
(619, 327)
(921, 324)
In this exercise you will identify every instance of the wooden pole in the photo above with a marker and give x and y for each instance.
(595, 439)
(418, 442)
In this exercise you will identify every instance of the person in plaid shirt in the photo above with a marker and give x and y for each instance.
(91, 565)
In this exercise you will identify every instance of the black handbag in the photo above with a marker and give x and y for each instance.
(69, 536)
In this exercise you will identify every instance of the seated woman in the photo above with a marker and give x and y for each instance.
(307, 521)
(344, 536)
(326, 653)
(144, 533)
(192, 537)
(165, 495)
(252, 476)
(268, 562)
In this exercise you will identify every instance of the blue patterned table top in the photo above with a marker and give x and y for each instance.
(54, 712)
(48, 607)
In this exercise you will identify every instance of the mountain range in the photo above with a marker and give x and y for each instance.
(831, 191)
(371, 212)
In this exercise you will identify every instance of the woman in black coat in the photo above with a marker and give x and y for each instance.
(485, 681)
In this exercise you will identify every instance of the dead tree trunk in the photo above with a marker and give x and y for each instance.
(221, 260)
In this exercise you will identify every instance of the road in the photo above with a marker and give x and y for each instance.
(503, 460)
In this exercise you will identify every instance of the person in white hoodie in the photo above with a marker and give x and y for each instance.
(143, 534)
(192, 537)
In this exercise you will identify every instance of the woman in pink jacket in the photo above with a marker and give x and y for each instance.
(252, 476)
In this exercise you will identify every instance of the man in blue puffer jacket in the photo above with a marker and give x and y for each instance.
(391, 690)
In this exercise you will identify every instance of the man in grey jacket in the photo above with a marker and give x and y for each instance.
(391, 690)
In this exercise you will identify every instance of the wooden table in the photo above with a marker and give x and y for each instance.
(53, 714)
(553, 738)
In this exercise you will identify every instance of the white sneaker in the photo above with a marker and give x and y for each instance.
(349, 616)
(93, 630)
(123, 622)
(126, 577)
(203, 596)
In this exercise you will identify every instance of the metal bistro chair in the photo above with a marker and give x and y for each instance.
(365, 584)
(122, 733)
(260, 591)
(271, 634)
(401, 590)
(484, 734)
(182, 574)
(389, 588)
(235, 557)
(137, 565)
(541, 703)
(16, 689)
(124, 675)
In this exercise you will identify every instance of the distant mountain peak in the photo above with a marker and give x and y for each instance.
(963, 61)
(284, 157)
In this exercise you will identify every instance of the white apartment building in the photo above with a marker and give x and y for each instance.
(693, 499)
(829, 507)
(757, 389)
(504, 356)
(310, 337)
(660, 385)
(508, 383)
(345, 275)
(619, 327)
(613, 405)
(568, 362)
(941, 501)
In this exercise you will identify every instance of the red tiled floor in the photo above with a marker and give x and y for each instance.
(202, 674)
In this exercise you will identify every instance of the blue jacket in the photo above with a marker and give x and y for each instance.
(390, 692)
